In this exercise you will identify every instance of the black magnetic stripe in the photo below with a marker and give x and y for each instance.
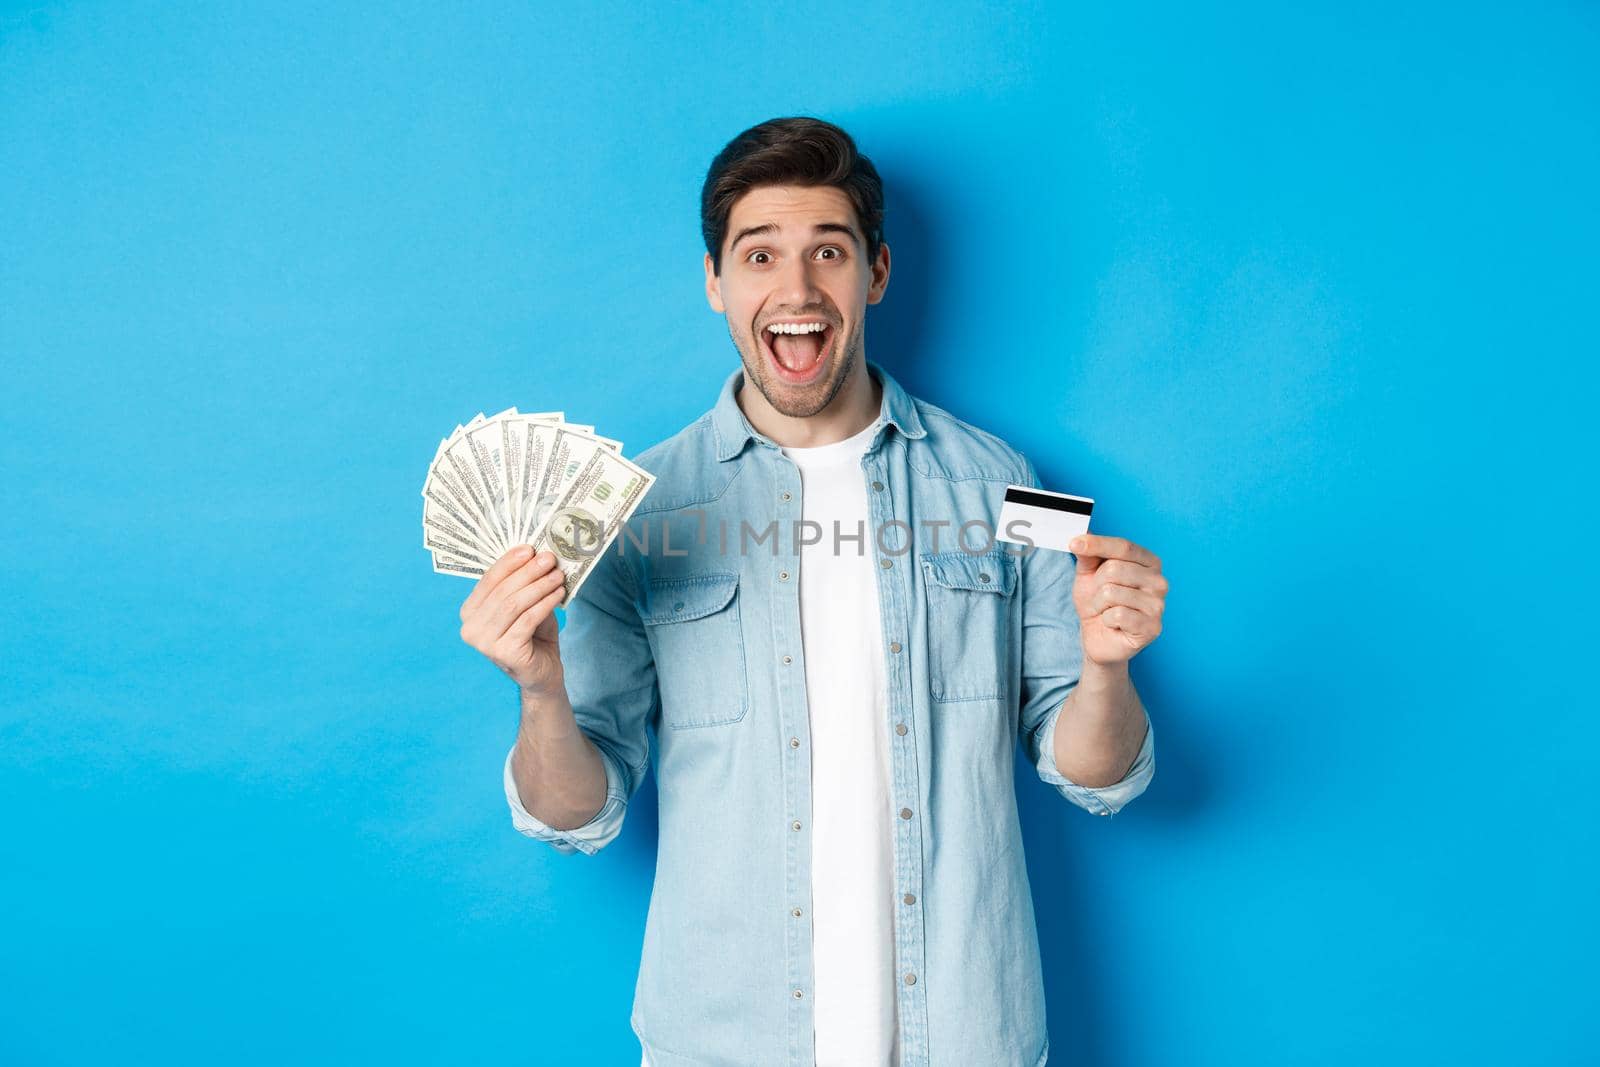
(1054, 503)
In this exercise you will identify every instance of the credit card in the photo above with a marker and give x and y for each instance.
(1046, 519)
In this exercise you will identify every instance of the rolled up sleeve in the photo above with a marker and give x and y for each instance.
(1101, 800)
(593, 835)
(611, 682)
(1052, 664)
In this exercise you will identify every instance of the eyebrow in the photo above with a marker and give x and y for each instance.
(820, 228)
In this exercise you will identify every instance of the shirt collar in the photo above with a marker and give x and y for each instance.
(733, 430)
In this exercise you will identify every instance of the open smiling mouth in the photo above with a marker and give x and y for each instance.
(796, 349)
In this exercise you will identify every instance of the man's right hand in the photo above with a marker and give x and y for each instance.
(509, 617)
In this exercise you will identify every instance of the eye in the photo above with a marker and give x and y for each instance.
(838, 252)
(751, 258)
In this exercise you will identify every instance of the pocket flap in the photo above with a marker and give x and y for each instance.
(681, 599)
(986, 572)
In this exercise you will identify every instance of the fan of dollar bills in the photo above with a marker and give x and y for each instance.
(527, 479)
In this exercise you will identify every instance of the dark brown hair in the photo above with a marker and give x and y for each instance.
(790, 151)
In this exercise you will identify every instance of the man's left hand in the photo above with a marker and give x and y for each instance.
(1120, 594)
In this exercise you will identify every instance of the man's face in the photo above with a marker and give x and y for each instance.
(794, 257)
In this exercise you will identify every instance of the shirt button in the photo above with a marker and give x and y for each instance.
(798, 994)
(877, 487)
(796, 913)
(983, 577)
(911, 979)
(794, 742)
(894, 646)
(788, 659)
(910, 898)
(784, 495)
(1102, 813)
(905, 813)
(900, 728)
(783, 576)
(795, 824)
(886, 563)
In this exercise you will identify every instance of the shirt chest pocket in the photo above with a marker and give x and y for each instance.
(693, 625)
(969, 602)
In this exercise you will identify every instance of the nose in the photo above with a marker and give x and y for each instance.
(797, 286)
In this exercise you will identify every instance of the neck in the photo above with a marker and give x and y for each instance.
(853, 409)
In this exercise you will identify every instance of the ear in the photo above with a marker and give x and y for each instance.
(880, 275)
(714, 288)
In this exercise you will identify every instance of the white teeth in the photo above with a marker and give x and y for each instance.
(797, 327)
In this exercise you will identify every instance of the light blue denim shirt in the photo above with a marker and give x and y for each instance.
(689, 631)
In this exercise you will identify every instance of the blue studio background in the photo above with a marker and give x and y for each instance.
(1305, 299)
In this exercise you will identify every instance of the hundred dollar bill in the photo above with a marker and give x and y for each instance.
(445, 563)
(532, 505)
(589, 514)
(478, 420)
(443, 494)
(439, 530)
(440, 491)
(514, 456)
(569, 452)
(486, 446)
(446, 480)
(442, 546)
(441, 512)
(457, 465)
(497, 480)
(509, 413)
(518, 449)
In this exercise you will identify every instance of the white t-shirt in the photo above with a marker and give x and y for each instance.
(852, 873)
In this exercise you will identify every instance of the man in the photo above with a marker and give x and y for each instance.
(837, 663)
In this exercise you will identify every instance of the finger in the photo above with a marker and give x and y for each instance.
(1108, 596)
(513, 558)
(1121, 572)
(1130, 621)
(529, 620)
(533, 569)
(1101, 547)
(518, 601)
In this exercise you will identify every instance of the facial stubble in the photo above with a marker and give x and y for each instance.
(756, 371)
